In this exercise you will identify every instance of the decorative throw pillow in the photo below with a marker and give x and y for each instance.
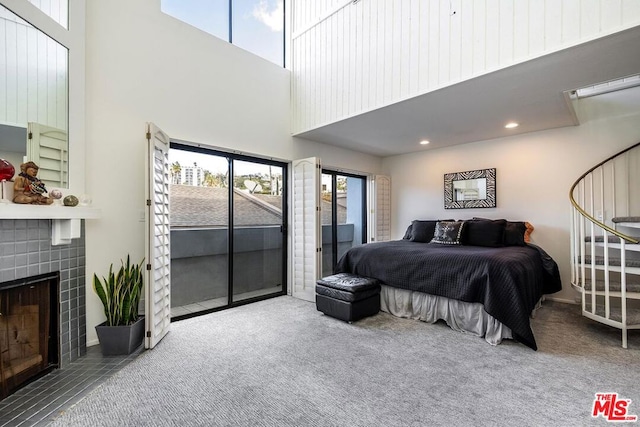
(527, 234)
(422, 231)
(484, 232)
(514, 232)
(509, 237)
(448, 232)
(407, 234)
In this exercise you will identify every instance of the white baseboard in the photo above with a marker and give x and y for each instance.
(91, 343)
(562, 300)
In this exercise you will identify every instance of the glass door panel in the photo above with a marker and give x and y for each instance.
(258, 229)
(350, 197)
(327, 224)
(343, 216)
(199, 218)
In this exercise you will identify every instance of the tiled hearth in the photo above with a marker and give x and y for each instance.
(25, 251)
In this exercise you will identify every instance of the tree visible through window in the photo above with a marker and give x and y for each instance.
(254, 25)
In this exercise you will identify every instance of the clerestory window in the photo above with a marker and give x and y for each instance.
(254, 25)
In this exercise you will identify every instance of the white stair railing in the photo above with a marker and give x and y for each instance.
(605, 261)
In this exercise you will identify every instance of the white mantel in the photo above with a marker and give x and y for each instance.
(65, 219)
(10, 210)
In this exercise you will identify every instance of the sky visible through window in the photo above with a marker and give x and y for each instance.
(257, 25)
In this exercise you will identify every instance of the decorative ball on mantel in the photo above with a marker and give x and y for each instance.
(70, 201)
(6, 170)
(55, 194)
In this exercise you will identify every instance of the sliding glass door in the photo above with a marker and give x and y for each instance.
(258, 229)
(344, 219)
(228, 242)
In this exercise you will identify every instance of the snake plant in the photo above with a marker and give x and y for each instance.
(120, 293)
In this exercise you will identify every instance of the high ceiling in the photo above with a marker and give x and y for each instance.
(530, 93)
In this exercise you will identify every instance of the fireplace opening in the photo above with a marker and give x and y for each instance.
(29, 312)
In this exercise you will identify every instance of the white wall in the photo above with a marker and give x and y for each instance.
(145, 66)
(534, 173)
(352, 57)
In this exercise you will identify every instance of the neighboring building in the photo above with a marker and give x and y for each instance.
(189, 175)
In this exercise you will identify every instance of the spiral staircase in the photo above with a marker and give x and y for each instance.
(605, 241)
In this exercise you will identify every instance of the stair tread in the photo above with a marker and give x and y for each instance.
(615, 313)
(626, 219)
(615, 261)
(610, 239)
(614, 286)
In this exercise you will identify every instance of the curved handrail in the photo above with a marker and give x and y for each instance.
(629, 239)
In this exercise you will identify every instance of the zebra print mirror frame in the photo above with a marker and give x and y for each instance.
(471, 189)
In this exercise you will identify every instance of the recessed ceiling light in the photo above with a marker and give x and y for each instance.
(511, 125)
(424, 142)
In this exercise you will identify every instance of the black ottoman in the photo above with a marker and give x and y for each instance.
(348, 297)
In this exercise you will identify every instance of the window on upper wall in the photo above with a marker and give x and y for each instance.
(254, 25)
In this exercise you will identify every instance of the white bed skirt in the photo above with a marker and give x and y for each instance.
(460, 316)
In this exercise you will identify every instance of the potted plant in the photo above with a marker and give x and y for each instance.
(120, 293)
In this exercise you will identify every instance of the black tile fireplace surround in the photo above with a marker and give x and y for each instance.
(25, 251)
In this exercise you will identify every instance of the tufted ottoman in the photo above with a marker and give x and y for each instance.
(348, 297)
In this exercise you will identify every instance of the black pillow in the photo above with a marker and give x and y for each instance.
(448, 232)
(485, 232)
(422, 231)
(514, 233)
(407, 234)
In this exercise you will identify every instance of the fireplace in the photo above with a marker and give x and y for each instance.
(26, 251)
(28, 330)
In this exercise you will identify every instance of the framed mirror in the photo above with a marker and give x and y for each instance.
(471, 189)
(34, 91)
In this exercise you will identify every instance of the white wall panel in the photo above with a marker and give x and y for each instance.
(33, 76)
(521, 30)
(58, 10)
(365, 59)
(505, 31)
(612, 14)
(630, 11)
(479, 41)
(455, 40)
(570, 11)
(536, 29)
(377, 52)
(553, 23)
(423, 47)
(492, 34)
(378, 75)
(444, 40)
(465, 13)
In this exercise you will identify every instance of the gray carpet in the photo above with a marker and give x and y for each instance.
(282, 363)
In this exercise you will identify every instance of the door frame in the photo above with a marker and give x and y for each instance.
(231, 156)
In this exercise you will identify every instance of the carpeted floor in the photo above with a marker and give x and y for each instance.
(280, 362)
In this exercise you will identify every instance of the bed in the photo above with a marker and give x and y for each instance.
(472, 274)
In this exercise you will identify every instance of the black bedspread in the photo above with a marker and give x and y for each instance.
(508, 281)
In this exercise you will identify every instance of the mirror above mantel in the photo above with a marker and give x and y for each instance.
(34, 93)
(471, 189)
